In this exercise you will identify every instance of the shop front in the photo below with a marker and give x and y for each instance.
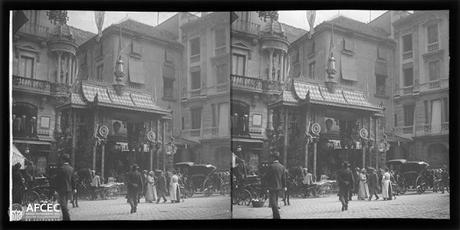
(325, 128)
(108, 131)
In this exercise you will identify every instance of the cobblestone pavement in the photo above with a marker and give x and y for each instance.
(214, 207)
(411, 205)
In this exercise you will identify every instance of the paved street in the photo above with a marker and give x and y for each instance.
(214, 207)
(428, 205)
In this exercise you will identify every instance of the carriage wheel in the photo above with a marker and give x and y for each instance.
(420, 185)
(244, 197)
(31, 197)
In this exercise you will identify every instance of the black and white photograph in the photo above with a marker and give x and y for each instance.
(340, 114)
(120, 115)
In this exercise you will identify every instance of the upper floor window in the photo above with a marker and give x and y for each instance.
(221, 73)
(407, 46)
(348, 44)
(434, 70)
(311, 70)
(99, 72)
(238, 64)
(433, 37)
(380, 85)
(196, 118)
(135, 47)
(196, 79)
(168, 87)
(195, 47)
(26, 67)
(220, 39)
(408, 75)
(409, 115)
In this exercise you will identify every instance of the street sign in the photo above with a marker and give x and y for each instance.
(315, 128)
(363, 133)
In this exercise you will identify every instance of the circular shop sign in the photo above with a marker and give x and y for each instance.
(363, 133)
(315, 128)
(104, 131)
(151, 136)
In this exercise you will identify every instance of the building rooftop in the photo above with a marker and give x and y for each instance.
(357, 26)
(293, 33)
(81, 36)
(142, 28)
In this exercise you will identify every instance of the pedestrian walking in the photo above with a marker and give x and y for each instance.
(134, 186)
(363, 187)
(373, 184)
(150, 188)
(75, 181)
(345, 183)
(161, 187)
(95, 184)
(18, 184)
(355, 186)
(64, 184)
(275, 179)
(308, 183)
(386, 185)
(174, 188)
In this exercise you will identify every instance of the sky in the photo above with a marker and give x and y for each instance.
(85, 19)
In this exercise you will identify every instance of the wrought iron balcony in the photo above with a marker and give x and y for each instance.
(192, 132)
(429, 129)
(246, 83)
(405, 129)
(35, 29)
(436, 84)
(272, 85)
(31, 85)
(246, 27)
(60, 89)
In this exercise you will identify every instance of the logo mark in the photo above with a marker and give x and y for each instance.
(16, 212)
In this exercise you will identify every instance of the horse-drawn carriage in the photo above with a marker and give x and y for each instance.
(203, 178)
(410, 175)
(247, 188)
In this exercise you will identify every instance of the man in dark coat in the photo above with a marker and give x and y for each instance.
(134, 186)
(373, 184)
(345, 183)
(18, 184)
(162, 188)
(64, 184)
(275, 179)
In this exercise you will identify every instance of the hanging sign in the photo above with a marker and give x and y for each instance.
(151, 136)
(103, 131)
(315, 128)
(363, 133)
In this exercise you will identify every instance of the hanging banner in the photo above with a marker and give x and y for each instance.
(311, 16)
(99, 18)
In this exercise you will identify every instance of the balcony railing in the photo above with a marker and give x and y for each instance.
(245, 26)
(436, 84)
(405, 129)
(271, 85)
(192, 132)
(35, 29)
(433, 47)
(211, 131)
(248, 83)
(32, 84)
(429, 129)
(407, 55)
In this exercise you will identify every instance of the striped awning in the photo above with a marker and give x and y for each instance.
(106, 96)
(319, 94)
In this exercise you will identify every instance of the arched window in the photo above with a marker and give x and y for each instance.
(240, 118)
(24, 120)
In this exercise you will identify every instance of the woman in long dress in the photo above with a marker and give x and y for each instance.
(386, 185)
(149, 198)
(363, 187)
(154, 187)
(174, 188)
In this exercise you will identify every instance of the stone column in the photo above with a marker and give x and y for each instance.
(74, 136)
(58, 75)
(270, 65)
(69, 69)
(282, 77)
(286, 139)
(102, 161)
(163, 144)
(158, 150)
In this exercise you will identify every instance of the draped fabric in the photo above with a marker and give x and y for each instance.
(348, 68)
(311, 15)
(136, 71)
(99, 18)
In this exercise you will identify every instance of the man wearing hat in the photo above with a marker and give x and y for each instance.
(275, 179)
(373, 184)
(345, 183)
(64, 184)
(134, 186)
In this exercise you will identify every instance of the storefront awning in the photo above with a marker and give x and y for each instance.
(135, 101)
(31, 142)
(184, 141)
(319, 94)
(395, 137)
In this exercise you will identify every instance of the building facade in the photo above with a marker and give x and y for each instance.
(421, 95)
(259, 71)
(205, 90)
(347, 98)
(44, 69)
